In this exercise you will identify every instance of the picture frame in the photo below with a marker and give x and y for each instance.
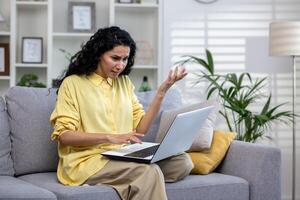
(4, 59)
(32, 50)
(81, 17)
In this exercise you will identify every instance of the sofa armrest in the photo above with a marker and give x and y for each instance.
(259, 164)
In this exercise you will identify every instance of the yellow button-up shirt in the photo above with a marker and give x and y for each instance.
(92, 104)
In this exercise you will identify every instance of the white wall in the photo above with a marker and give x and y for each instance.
(236, 31)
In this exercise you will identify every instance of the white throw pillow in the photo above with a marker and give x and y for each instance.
(205, 135)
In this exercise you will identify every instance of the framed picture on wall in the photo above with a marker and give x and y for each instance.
(4, 59)
(32, 50)
(81, 16)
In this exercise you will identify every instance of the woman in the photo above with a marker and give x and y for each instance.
(97, 110)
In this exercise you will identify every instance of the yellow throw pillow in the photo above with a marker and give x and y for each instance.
(208, 160)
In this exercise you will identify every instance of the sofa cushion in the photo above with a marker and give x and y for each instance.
(172, 100)
(49, 182)
(14, 188)
(205, 133)
(6, 164)
(29, 110)
(213, 186)
(208, 160)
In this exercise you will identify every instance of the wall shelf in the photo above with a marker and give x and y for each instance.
(4, 33)
(27, 65)
(135, 5)
(4, 77)
(137, 66)
(61, 34)
(31, 3)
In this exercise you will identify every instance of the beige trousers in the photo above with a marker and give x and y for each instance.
(136, 181)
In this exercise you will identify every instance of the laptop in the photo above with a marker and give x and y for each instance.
(178, 139)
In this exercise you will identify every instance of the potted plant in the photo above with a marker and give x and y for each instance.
(237, 94)
(30, 80)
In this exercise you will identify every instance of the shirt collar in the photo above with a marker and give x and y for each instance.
(98, 80)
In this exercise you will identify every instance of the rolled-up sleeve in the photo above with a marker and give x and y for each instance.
(138, 110)
(65, 116)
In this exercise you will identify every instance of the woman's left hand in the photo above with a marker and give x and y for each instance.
(174, 75)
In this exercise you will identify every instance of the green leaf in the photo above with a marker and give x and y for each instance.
(210, 61)
(233, 79)
(242, 77)
(266, 106)
(210, 92)
(258, 85)
(198, 61)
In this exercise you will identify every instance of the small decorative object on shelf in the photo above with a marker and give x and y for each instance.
(145, 86)
(4, 59)
(144, 54)
(32, 50)
(55, 83)
(30, 80)
(81, 17)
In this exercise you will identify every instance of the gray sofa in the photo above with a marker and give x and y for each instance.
(28, 158)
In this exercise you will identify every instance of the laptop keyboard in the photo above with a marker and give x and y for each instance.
(144, 152)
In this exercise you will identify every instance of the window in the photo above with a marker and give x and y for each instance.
(227, 29)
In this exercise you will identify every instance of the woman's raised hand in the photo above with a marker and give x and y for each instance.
(174, 75)
(125, 138)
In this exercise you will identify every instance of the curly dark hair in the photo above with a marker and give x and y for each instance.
(86, 60)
